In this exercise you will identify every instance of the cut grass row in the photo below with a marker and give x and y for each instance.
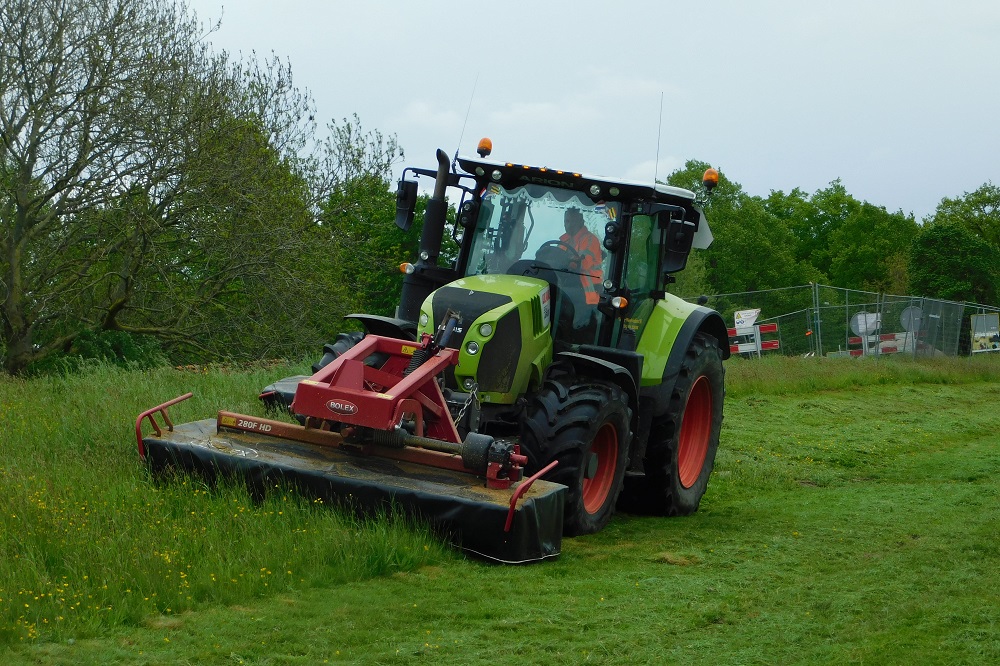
(851, 518)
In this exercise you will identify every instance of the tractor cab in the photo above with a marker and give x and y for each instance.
(607, 248)
(553, 234)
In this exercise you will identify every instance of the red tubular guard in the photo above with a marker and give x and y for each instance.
(523, 488)
(162, 409)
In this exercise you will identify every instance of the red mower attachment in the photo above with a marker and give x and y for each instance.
(374, 436)
(398, 406)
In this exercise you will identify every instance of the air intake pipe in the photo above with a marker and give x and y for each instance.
(418, 285)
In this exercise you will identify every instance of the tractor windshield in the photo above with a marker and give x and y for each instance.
(560, 228)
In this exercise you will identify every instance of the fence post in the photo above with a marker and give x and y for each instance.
(847, 319)
(819, 324)
(879, 310)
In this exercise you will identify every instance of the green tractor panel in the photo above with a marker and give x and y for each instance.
(546, 368)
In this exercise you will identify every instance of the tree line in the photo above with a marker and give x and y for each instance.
(159, 199)
(831, 237)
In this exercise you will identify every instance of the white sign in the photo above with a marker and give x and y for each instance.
(746, 317)
(985, 332)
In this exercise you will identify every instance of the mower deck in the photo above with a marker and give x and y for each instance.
(518, 525)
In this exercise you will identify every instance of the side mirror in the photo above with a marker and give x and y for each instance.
(678, 235)
(406, 203)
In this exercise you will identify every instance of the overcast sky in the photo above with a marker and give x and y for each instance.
(898, 99)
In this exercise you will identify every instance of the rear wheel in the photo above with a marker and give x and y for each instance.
(586, 428)
(682, 443)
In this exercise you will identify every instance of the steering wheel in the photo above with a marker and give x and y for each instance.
(559, 254)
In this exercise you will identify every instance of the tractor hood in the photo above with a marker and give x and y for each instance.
(503, 335)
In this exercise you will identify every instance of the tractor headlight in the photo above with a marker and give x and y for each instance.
(472, 347)
(424, 319)
(486, 330)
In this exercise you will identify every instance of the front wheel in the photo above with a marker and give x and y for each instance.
(680, 453)
(586, 428)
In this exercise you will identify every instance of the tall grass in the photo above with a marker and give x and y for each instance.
(789, 375)
(89, 541)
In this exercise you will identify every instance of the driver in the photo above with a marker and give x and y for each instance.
(587, 245)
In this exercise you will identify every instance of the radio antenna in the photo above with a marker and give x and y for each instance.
(659, 129)
(454, 161)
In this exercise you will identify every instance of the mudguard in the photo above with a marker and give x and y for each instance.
(608, 371)
(678, 334)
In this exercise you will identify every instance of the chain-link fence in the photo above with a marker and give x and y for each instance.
(819, 320)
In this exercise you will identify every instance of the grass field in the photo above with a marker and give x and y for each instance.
(852, 518)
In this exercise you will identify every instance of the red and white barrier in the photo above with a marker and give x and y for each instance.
(749, 340)
(886, 343)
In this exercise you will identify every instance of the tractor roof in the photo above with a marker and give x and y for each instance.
(511, 175)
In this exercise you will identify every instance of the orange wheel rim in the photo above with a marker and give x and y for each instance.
(696, 429)
(597, 488)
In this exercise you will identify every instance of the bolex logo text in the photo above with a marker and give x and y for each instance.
(342, 407)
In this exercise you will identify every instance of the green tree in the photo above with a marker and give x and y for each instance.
(366, 247)
(948, 261)
(753, 248)
(148, 185)
(229, 253)
(869, 248)
(977, 211)
(813, 220)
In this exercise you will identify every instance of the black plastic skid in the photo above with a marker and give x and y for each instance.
(456, 504)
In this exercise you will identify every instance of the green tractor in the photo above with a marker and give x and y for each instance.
(565, 338)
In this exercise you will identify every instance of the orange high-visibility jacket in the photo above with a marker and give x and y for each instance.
(589, 248)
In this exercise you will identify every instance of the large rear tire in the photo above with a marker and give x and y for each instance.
(586, 428)
(683, 442)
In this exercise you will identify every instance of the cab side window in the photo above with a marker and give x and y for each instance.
(640, 271)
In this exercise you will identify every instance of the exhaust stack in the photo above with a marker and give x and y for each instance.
(418, 285)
